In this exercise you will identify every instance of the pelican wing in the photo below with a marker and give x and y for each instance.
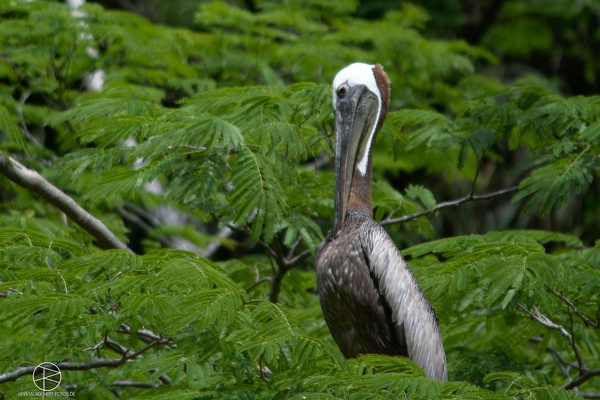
(412, 316)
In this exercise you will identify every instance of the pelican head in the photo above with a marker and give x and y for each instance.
(361, 97)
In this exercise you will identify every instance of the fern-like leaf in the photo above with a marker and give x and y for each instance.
(257, 195)
(9, 126)
(556, 181)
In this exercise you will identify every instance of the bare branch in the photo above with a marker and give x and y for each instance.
(37, 184)
(118, 348)
(135, 220)
(121, 383)
(136, 384)
(264, 371)
(281, 271)
(584, 376)
(127, 355)
(563, 364)
(275, 252)
(32, 139)
(568, 302)
(258, 282)
(147, 336)
(294, 246)
(297, 258)
(148, 347)
(451, 203)
(66, 366)
(584, 373)
(547, 322)
(261, 243)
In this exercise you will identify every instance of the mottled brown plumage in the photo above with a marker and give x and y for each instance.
(370, 298)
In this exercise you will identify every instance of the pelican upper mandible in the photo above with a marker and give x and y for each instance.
(370, 298)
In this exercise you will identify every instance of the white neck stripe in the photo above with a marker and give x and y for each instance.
(362, 164)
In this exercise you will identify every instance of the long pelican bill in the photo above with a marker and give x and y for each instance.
(355, 118)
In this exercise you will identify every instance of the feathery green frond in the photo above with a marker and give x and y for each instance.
(257, 195)
(555, 181)
(9, 127)
(219, 140)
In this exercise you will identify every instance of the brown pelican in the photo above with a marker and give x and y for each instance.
(370, 298)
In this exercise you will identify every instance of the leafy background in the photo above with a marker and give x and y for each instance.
(200, 133)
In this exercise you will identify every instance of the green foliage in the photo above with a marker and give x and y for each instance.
(526, 388)
(226, 131)
(552, 127)
(222, 335)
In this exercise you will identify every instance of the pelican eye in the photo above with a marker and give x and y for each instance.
(342, 91)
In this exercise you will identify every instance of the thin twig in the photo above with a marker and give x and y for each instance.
(477, 171)
(263, 370)
(34, 182)
(259, 281)
(275, 254)
(297, 258)
(95, 347)
(568, 302)
(280, 273)
(293, 247)
(261, 243)
(547, 322)
(147, 335)
(141, 224)
(117, 348)
(451, 203)
(584, 373)
(563, 364)
(32, 139)
(148, 347)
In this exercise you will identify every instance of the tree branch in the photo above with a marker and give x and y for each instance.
(547, 322)
(584, 376)
(66, 366)
(121, 383)
(275, 252)
(127, 355)
(32, 139)
(135, 384)
(584, 373)
(451, 203)
(262, 244)
(563, 364)
(568, 302)
(147, 336)
(34, 182)
(284, 267)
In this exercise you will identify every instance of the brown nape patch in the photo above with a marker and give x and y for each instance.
(383, 83)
